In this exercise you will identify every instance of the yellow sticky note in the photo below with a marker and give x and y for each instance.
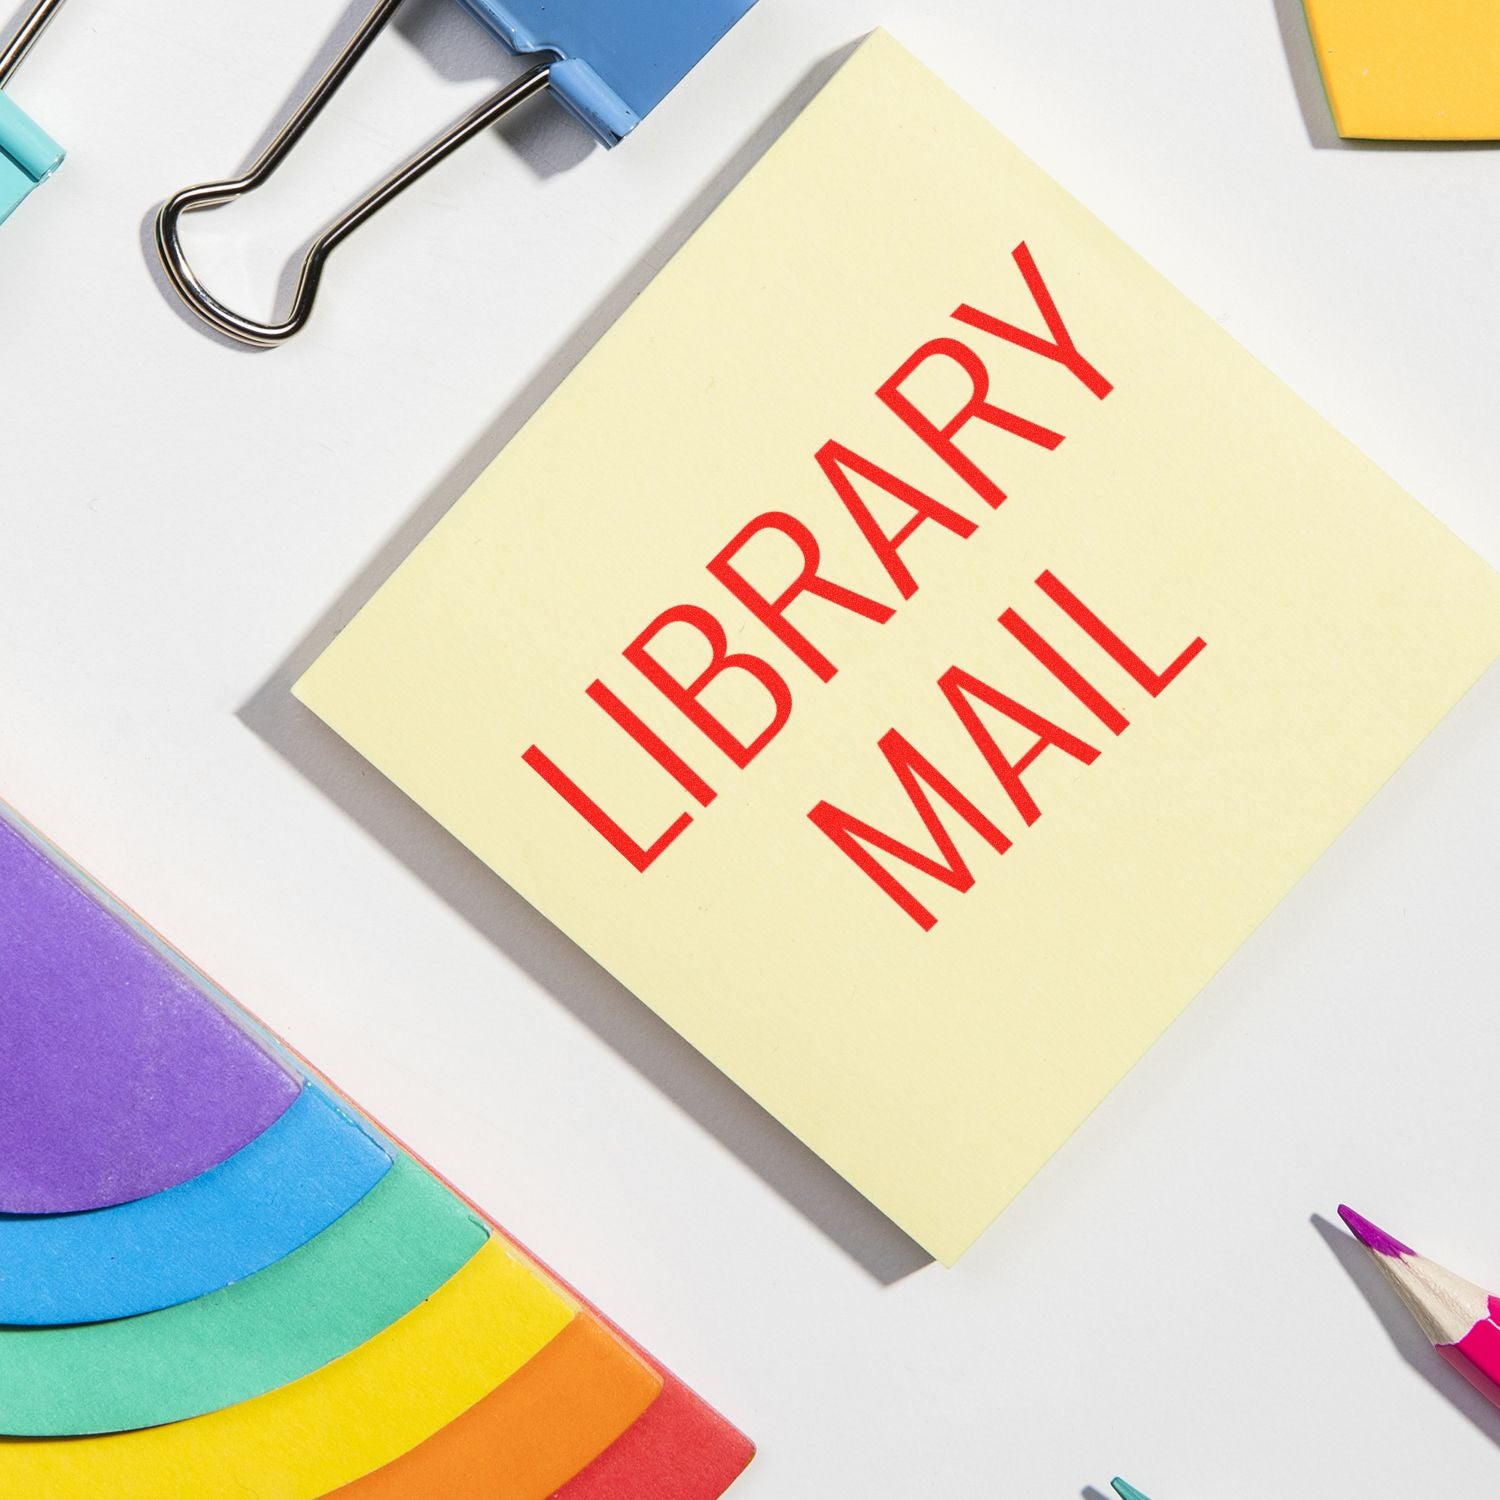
(913, 649)
(1410, 69)
(321, 1432)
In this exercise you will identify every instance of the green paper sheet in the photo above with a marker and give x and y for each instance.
(391, 1251)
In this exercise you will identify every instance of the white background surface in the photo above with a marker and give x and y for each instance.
(185, 524)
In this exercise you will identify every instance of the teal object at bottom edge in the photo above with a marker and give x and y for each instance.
(1127, 1491)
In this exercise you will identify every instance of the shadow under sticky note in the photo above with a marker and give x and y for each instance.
(305, 1439)
(533, 1433)
(1415, 70)
(290, 1183)
(122, 1078)
(396, 1246)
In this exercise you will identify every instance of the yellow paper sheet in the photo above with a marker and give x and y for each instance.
(938, 1051)
(312, 1436)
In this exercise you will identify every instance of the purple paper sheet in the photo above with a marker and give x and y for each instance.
(119, 1077)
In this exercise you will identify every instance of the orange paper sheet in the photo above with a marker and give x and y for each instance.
(533, 1433)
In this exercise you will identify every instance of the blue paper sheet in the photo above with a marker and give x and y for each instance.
(289, 1184)
(402, 1241)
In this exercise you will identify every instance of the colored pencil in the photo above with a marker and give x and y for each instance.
(1126, 1491)
(1461, 1320)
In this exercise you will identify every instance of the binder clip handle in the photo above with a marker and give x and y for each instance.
(214, 194)
(25, 38)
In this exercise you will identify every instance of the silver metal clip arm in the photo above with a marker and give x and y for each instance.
(214, 194)
(25, 38)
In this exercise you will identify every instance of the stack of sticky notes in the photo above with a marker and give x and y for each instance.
(1410, 70)
(218, 1278)
(930, 670)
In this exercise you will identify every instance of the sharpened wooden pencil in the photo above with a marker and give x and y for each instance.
(1460, 1319)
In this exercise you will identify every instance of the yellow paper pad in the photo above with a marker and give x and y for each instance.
(312, 1436)
(1095, 809)
(1410, 69)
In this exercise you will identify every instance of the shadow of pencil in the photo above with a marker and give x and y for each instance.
(1402, 1330)
(492, 908)
(1312, 98)
(1090, 1493)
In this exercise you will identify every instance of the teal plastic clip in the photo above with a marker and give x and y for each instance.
(28, 155)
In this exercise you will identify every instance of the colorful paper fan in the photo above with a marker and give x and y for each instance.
(392, 1250)
(1415, 70)
(291, 1182)
(310, 1311)
(532, 1434)
(121, 1077)
(318, 1433)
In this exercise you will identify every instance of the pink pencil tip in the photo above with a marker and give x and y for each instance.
(1372, 1236)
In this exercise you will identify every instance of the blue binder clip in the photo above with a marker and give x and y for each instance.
(608, 62)
(28, 155)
